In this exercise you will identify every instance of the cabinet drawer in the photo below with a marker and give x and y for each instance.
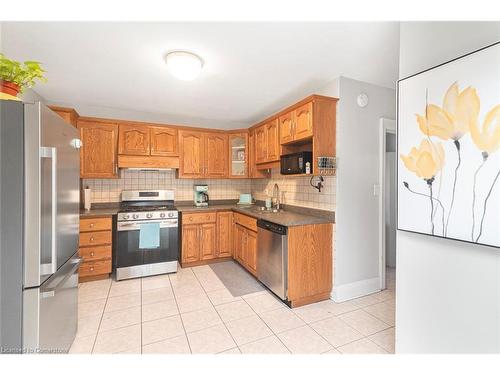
(95, 224)
(199, 218)
(95, 238)
(95, 268)
(246, 221)
(95, 253)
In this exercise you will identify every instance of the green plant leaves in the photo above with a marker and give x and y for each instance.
(23, 74)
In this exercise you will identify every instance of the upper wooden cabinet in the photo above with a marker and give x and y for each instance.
(216, 163)
(286, 127)
(163, 141)
(238, 155)
(68, 114)
(201, 154)
(267, 147)
(98, 154)
(253, 172)
(297, 124)
(272, 140)
(133, 140)
(191, 154)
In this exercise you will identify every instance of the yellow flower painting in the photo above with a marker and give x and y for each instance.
(449, 150)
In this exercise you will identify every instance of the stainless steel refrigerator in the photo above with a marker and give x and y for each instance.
(39, 224)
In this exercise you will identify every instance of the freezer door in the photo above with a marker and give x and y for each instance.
(52, 193)
(50, 313)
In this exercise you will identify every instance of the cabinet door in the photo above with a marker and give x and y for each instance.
(251, 251)
(260, 144)
(272, 141)
(225, 234)
(191, 154)
(286, 127)
(304, 121)
(216, 163)
(190, 243)
(163, 141)
(238, 240)
(238, 155)
(208, 241)
(133, 140)
(98, 155)
(251, 154)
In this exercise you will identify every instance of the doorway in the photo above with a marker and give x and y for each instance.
(387, 203)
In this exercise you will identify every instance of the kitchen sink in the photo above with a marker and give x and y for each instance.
(263, 210)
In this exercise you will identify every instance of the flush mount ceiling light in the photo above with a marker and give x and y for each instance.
(184, 65)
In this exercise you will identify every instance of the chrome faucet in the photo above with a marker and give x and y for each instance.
(276, 196)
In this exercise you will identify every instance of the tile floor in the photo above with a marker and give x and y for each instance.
(193, 312)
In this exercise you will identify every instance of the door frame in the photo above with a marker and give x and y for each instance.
(386, 126)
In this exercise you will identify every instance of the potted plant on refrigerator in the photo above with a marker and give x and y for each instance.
(16, 76)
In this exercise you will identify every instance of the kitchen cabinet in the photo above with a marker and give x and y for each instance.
(267, 148)
(95, 246)
(68, 114)
(245, 242)
(98, 154)
(191, 154)
(253, 172)
(225, 234)
(133, 140)
(201, 154)
(216, 162)
(199, 238)
(238, 155)
(163, 141)
(297, 124)
(208, 237)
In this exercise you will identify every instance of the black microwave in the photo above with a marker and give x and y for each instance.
(295, 163)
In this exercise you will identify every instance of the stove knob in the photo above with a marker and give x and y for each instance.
(162, 214)
(149, 216)
(170, 214)
(126, 217)
(135, 216)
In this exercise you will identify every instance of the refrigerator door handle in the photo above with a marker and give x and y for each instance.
(51, 292)
(51, 152)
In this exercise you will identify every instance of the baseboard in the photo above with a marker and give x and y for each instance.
(357, 289)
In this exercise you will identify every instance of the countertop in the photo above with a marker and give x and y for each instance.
(290, 216)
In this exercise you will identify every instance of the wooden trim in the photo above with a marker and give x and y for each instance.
(132, 161)
(310, 299)
(204, 262)
(84, 279)
(269, 165)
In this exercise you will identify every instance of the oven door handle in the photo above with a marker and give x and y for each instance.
(137, 225)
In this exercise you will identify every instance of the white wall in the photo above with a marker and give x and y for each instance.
(447, 292)
(356, 231)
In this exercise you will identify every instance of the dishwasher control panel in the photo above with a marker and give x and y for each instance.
(276, 228)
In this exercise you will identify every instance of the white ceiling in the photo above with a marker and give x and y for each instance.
(251, 69)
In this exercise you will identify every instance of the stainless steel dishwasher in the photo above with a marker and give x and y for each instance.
(272, 257)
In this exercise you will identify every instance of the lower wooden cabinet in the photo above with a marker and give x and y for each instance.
(245, 242)
(225, 234)
(95, 248)
(206, 236)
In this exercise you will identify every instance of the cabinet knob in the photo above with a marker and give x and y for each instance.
(92, 225)
(91, 238)
(191, 218)
(91, 253)
(91, 269)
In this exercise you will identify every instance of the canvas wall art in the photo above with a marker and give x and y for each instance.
(449, 149)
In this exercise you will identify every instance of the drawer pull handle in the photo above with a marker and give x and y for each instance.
(91, 269)
(91, 253)
(91, 238)
(91, 225)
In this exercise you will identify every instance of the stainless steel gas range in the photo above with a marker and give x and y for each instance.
(137, 209)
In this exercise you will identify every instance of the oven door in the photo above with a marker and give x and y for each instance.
(128, 252)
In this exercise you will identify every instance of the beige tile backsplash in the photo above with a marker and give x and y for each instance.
(297, 191)
(294, 190)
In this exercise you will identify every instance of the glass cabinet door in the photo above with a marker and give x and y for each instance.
(238, 151)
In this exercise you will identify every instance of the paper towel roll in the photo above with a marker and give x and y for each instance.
(86, 198)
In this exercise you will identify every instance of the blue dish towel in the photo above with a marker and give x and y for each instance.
(149, 236)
